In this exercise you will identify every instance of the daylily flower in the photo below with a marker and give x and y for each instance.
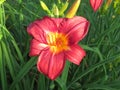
(95, 4)
(55, 40)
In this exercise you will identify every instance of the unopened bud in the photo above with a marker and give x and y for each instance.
(44, 6)
(64, 7)
(95, 4)
(55, 10)
(73, 9)
(108, 4)
(1, 1)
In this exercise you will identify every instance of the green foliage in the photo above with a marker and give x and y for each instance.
(98, 71)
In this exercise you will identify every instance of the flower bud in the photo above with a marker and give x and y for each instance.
(55, 10)
(95, 4)
(44, 6)
(108, 4)
(1, 1)
(64, 7)
(73, 9)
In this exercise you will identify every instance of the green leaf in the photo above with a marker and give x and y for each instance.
(94, 67)
(61, 84)
(65, 72)
(101, 87)
(3, 71)
(23, 71)
(41, 82)
(8, 59)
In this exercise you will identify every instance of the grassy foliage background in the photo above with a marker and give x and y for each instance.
(98, 71)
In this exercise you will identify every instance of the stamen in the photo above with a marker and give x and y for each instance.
(58, 42)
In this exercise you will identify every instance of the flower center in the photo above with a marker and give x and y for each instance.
(58, 42)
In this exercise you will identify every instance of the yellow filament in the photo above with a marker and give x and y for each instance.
(58, 42)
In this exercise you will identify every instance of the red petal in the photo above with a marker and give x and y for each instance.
(76, 28)
(68, 23)
(39, 28)
(75, 54)
(56, 65)
(57, 21)
(47, 25)
(34, 30)
(36, 47)
(51, 64)
(96, 4)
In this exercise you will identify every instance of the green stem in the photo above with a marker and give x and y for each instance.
(65, 72)
(63, 80)
(61, 84)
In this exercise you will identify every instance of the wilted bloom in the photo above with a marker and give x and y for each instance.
(96, 4)
(55, 40)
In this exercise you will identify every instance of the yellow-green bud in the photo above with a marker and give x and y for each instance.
(44, 6)
(73, 9)
(1, 1)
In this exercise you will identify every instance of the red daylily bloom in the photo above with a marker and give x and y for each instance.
(95, 4)
(55, 40)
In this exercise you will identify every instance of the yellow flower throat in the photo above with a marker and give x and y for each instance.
(58, 42)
